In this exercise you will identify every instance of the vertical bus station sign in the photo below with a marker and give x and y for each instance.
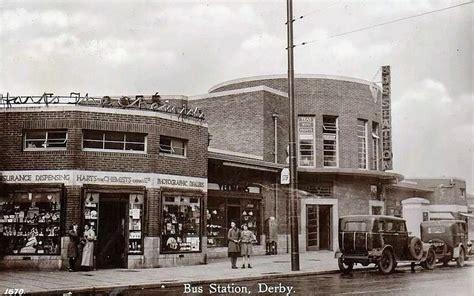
(386, 120)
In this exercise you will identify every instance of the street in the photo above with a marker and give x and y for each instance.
(441, 281)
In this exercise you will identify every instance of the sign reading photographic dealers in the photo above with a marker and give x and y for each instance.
(386, 120)
(78, 178)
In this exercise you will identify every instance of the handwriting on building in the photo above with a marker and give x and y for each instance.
(150, 103)
(386, 119)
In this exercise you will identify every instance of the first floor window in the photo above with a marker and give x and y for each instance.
(330, 135)
(45, 140)
(375, 146)
(181, 226)
(173, 146)
(30, 223)
(362, 143)
(306, 141)
(109, 140)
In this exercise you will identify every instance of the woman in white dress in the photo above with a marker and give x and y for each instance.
(88, 250)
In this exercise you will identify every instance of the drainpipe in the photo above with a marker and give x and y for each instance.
(275, 125)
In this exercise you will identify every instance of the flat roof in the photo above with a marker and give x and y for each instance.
(284, 76)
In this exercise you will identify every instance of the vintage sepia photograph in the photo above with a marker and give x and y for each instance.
(236, 147)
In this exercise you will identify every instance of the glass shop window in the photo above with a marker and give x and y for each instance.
(45, 140)
(216, 223)
(30, 223)
(109, 140)
(181, 226)
(135, 235)
(173, 146)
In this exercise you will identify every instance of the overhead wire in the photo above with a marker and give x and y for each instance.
(384, 23)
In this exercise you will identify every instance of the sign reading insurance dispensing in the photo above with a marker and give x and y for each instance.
(386, 120)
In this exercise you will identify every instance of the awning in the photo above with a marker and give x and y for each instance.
(441, 216)
(467, 215)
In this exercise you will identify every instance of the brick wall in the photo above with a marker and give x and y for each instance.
(348, 100)
(14, 158)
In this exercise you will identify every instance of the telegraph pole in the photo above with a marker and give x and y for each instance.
(295, 255)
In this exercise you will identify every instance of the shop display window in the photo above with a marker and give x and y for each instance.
(181, 227)
(135, 235)
(30, 223)
(216, 225)
(91, 211)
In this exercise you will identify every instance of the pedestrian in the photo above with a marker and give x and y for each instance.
(247, 238)
(72, 251)
(88, 249)
(234, 247)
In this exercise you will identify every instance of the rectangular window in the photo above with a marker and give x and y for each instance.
(362, 143)
(45, 140)
(109, 140)
(181, 226)
(375, 146)
(173, 146)
(330, 137)
(306, 131)
(30, 223)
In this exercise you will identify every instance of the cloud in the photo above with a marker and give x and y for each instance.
(433, 132)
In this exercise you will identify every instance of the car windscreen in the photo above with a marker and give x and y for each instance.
(436, 229)
(355, 226)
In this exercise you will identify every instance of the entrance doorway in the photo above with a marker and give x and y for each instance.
(233, 214)
(112, 238)
(318, 227)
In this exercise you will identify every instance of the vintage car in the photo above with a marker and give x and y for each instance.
(449, 239)
(382, 240)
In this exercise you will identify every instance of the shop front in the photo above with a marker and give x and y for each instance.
(227, 203)
(139, 220)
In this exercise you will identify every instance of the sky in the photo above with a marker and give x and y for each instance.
(184, 48)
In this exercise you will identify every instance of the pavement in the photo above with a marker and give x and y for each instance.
(217, 270)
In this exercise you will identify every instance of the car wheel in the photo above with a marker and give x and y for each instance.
(386, 262)
(416, 248)
(345, 266)
(430, 261)
(460, 259)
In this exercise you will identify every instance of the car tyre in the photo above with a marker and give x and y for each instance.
(460, 259)
(416, 248)
(386, 262)
(430, 261)
(345, 266)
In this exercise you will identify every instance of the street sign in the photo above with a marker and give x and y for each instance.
(285, 176)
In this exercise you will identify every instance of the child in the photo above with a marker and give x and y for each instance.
(247, 238)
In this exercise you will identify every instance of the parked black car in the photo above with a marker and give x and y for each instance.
(449, 239)
(382, 240)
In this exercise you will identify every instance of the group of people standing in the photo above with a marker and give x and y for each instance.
(81, 247)
(240, 243)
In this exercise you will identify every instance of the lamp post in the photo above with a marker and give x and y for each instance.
(295, 256)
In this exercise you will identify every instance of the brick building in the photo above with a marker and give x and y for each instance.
(138, 176)
(340, 159)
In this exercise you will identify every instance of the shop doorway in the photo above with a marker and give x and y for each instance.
(112, 238)
(318, 227)
(233, 214)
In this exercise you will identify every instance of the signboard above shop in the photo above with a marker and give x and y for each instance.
(149, 103)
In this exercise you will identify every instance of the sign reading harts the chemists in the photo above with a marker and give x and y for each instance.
(79, 178)
(386, 119)
(151, 103)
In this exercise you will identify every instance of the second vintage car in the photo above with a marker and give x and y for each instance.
(380, 240)
(449, 239)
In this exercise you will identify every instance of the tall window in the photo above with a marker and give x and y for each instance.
(375, 146)
(330, 135)
(45, 140)
(362, 143)
(173, 146)
(108, 140)
(306, 141)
